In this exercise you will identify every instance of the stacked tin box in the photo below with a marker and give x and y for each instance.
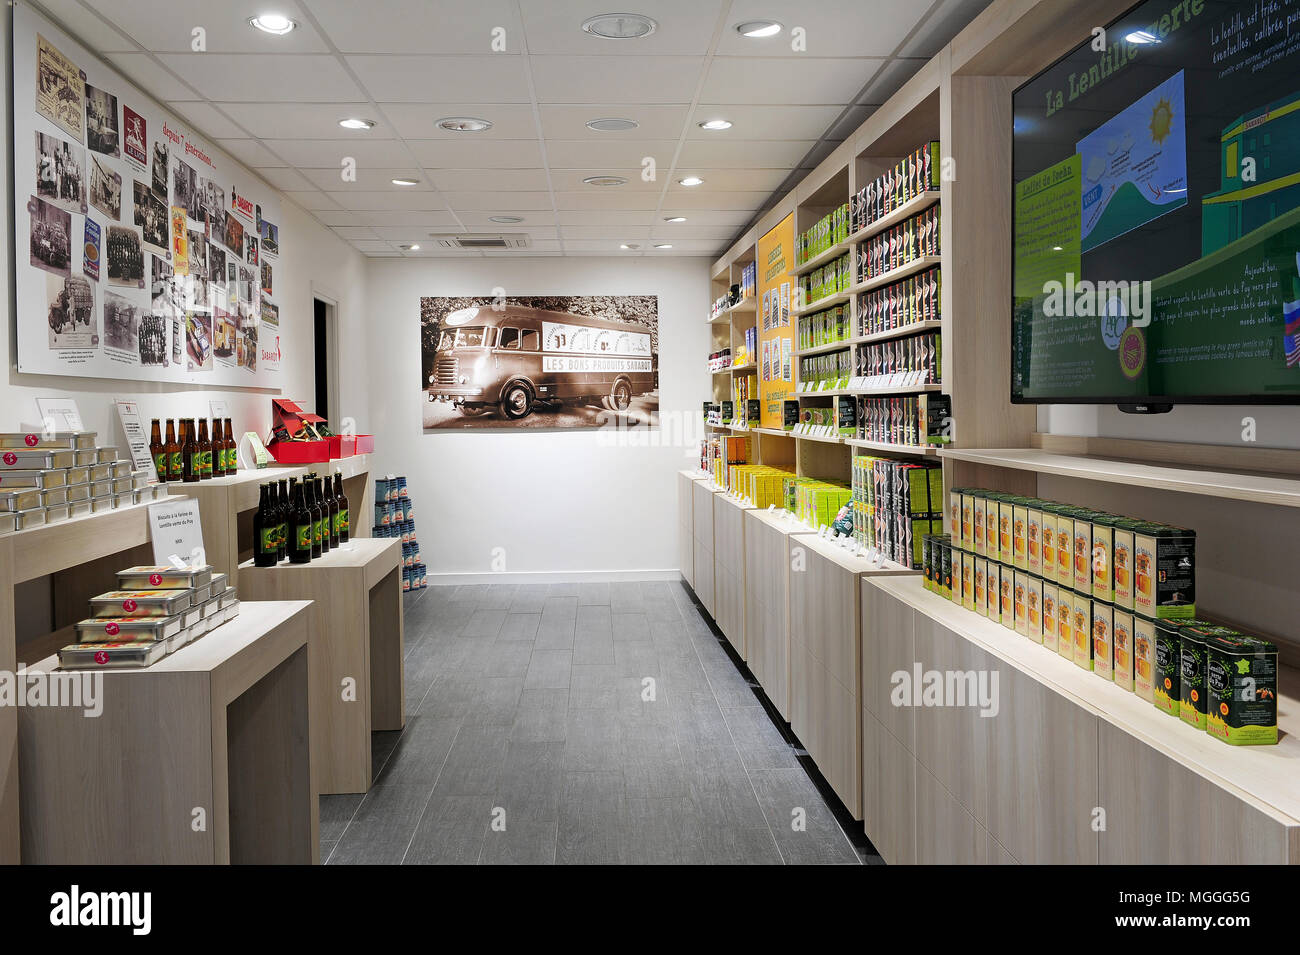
(48, 477)
(395, 517)
(153, 612)
(1114, 594)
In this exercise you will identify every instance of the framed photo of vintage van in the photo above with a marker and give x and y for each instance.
(554, 362)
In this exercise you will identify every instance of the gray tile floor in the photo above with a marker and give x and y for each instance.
(578, 723)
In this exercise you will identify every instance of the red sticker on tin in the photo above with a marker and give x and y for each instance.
(101, 656)
(10, 458)
(129, 605)
(155, 579)
(111, 629)
(32, 440)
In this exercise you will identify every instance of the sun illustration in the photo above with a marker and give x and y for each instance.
(1162, 121)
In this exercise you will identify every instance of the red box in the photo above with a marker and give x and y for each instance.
(300, 452)
(365, 444)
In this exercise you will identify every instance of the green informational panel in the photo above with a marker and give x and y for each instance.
(1047, 228)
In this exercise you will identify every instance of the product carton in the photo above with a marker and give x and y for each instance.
(1122, 644)
(1034, 607)
(1081, 625)
(1164, 571)
(1241, 677)
(1065, 622)
(1049, 615)
(1103, 646)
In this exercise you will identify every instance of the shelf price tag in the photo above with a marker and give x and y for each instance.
(176, 533)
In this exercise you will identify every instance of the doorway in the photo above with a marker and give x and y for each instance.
(324, 322)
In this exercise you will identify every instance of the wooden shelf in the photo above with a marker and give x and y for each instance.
(822, 349)
(50, 548)
(927, 452)
(853, 562)
(774, 432)
(721, 371)
(931, 325)
(747, 304)
(744, 368)
(893, 275)
(824, 439)
(1267, 774)
(900, 390)
(905, 211)
(828, 393)
(1237, 486)
(830, 301)
(830, 255)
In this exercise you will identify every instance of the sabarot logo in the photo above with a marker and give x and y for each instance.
(82, 690)
(1124, 302)
(76, 908)
(921, 687)
(272, 355)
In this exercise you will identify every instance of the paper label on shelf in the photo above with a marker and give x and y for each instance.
(261, 457)
(59, 414)
(177, 533)
(137, 438)
(219, 408)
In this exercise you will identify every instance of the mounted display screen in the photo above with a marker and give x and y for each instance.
(1156, 211)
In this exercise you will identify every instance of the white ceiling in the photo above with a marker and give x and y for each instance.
(274, 104)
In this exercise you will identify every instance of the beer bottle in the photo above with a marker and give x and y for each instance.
(334, 512)
(300, 540)
(175, 469)
(273, 521)
(232, 450)
(158, 451)
(344, 527)
(309, 494)
(286, 518)
(218, 453)
(205, 451)
(192, 462)
(266, 546)
(327, 515)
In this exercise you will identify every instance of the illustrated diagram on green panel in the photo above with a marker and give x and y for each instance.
(1134, 166)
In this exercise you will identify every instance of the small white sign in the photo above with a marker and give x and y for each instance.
(220, 408)
(59, 414)
(177, 533)
(137, 439)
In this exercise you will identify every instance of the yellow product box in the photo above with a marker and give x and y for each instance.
(1103, 640)
(1144, 657)
(968, 580)
(1121, 561)
(1019, 600)
(1049, 615)
(1034, 558)
(967, 512)
(954, 512)
(1065, 622)
(1020, 533)
(1007, 584)
(991, 549)
(1006, 518)
(1083, 552)
(1034, 607)
(1081, 626)
(1064, 549)
(993, 590)
(977, 525)
(1103, 542)
(1122, 649)
(981, 586)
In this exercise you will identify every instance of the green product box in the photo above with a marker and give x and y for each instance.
(1194, 698)
(1241, 683)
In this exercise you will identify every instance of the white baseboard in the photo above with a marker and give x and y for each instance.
(554, 577)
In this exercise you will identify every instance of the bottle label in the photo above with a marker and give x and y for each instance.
(267, 541)
(318, 530)
(175, 465)
(207, 462)
(232, 461)
(343, 520)
(282, 535)
(337, 524)
(160, 465)
(303, 532)
(196, 462)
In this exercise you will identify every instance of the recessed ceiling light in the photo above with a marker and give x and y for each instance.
(409, 248)
(612, 124)
(629, 245)
(1142, 37)
(675, 219)
(276, 23)
(405, 182)
(464, 124)
(506, 218)
(662, 245)
(619, 26)
(354, 123)
(715, 124)
(690, 181)
(756, 29)
(605, 181)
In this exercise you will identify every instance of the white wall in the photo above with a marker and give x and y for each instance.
(1276, 426)
(313, 261)
(557, 502)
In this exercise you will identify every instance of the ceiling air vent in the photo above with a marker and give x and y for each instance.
(481, 242)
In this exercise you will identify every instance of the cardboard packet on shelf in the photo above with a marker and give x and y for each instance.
(163, 578)
(140, 603)
(111, 655)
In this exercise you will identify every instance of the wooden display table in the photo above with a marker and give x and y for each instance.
(201, 758)
(226, 506)
(729, 569)
(702, 493)
(356, 635)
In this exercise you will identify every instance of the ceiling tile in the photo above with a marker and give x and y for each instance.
(250, 152)
(389, 200)
(655, 122)
(369, 179)
(687, 199)
(765, 122)
(942, 25)
(724, 180)
(483, 154)
(312, 200)
(481, 219)
(357, 232)
(829, 29)
(151, 77)
(744, 154)
(683, 27)
(587, 154)
(502, 180)
(243, 77)
(331, 217)
(889, 80)
(405, 218)
(371, 245)
(166, 27)
(208, 122)
(634, 201)
(330, 153)
(717, 217)
(304, 120)
(285, 179)
(570, 180)
(88, 27)
(620, 79)
(611, 217)
(409, 79)
(430, 26)
(499, 201)
(419, 120)
(637, 233)
(790, 81)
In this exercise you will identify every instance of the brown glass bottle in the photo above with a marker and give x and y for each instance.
(218, 453)
(326, 517)
(175, 469)
(205, 451)
(314, 508)
(232, 450)
(192, 466)
(300, 549)
(286, 518)
(331, 495)
(344, 527)
(157, 450)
